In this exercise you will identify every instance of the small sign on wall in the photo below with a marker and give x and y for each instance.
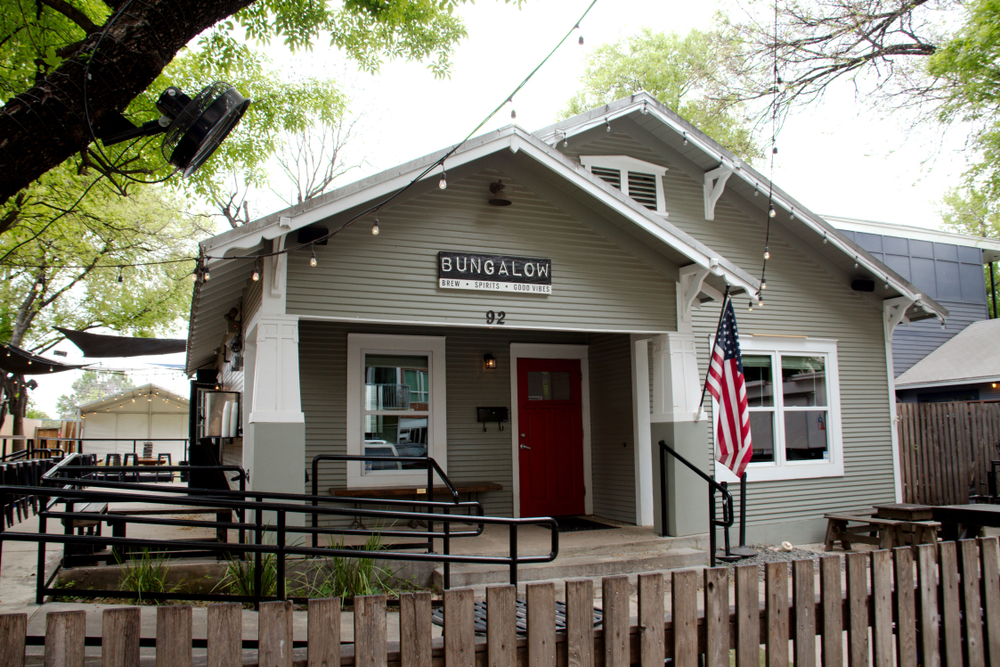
(494, 273)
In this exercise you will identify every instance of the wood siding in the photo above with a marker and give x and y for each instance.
(596, 285)
(801, 299)
(474, 454)
(612, 434)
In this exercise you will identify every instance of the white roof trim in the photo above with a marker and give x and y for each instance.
(949, 383)
(516, 140)
(638, 101)
(919, 233)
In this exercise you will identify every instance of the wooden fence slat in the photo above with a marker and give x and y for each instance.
(991, 599)
(274, 634)
(541, 600)
(747, 616)
(857, 607)
(225, 635)
(684, 614)
(776, 612)
(651, 629)
(173, 636)
(906, 619)
(579, 624)
(716, 617)
(323, 631)
(971, 607)
(501, 627)
(120, 637)
(903, 441)
(804, 592)
(13, 628)
(459, 628)
(951, 631)
(881, 562)
(370, 639)
(832, 622)
(927, 605)
(65, 634)
(614, 593)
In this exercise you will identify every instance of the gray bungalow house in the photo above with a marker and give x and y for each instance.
(577, 300)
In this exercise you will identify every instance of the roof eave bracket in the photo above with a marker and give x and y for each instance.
(715, 185)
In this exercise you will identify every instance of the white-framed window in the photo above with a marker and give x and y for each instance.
(640, 180)
(396, 406)
(793, 394)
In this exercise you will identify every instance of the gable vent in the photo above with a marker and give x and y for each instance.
(642, 188)
(612, 176)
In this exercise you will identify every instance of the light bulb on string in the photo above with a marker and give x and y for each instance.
(855, 262)
(255, 276)
(685, 138)
(770, 211)
(887, 282)
(750, 306)
(375, 229)
(767, 253)
(763, 284)
(755, 190)
(645, 111)
(312, 257)
(760, 300)
(443, 183)
(206, 275)
(607, 124)
(565, 140)
(791, 214)
(825, 239)
(120, 277)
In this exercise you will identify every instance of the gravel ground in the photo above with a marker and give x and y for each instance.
(767, 553)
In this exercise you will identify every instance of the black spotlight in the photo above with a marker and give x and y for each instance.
(194, 127)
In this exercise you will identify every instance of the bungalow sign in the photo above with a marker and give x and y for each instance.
(494, 273)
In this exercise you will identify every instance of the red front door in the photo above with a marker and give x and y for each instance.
(550, 442)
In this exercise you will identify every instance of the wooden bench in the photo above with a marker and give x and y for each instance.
(95, 509)
(885, 533)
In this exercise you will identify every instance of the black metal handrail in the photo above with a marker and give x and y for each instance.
(432, 467)
(713, 487)
(282, 548)
(22, 454)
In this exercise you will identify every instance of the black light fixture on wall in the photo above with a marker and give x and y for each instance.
(489, 362)
(194, 128)
(499, 197)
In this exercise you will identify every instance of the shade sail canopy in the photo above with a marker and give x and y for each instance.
(98, 345)
(15, 360)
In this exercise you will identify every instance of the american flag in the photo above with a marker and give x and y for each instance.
(733, 447)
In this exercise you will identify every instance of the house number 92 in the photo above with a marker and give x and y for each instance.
(497, 317)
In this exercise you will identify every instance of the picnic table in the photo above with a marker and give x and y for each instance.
(964, 521)
(886, 526)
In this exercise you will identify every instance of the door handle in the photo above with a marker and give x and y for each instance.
(523, 446)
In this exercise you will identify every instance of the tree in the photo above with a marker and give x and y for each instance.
(686, 73)
(969, 210)
(83, 256)
(70, 69)
(89, 387)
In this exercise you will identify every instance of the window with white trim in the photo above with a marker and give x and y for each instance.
(642, 181)
(395, 406)
(793, 395)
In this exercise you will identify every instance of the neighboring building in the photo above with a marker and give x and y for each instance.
(625, 225)
(121, 423)
(964, 368)
(946, 267)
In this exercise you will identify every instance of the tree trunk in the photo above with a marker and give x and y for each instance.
(45, 125)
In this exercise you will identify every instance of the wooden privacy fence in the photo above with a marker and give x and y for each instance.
(933, 605)
(945, 450)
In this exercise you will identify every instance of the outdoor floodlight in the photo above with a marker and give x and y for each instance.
(194, 128)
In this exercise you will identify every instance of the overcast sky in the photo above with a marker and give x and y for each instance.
(838, 158)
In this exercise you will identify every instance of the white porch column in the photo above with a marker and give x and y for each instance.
(676, 391)
(894, 312)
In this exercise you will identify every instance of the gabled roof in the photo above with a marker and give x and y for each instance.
(700, 154)
(990, 247)
(228, 278)
(140, 396)
(969, 357)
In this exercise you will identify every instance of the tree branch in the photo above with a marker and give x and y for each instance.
(72, 13)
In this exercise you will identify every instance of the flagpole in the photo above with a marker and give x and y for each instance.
(704, 389)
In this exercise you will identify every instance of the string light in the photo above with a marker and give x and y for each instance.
(760, 300)
(645, 111)
(770, 211)
(607, 123)
(825, 239)
(685, 138)
(513, 112)
(791, 214)
(256, 272)
(855, 261)
(755, 190)
(312, 257)
(750, 306)
(580, 41)
(206, 275)
(767, 253)
(375, 229)
(443, 183)
(763, 284)
(120, 277)
(887, 282)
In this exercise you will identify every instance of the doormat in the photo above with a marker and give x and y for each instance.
(479, 610)
(572, 524)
